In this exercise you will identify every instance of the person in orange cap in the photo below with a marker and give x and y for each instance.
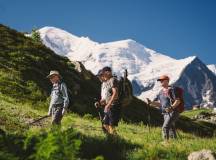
(169, 109)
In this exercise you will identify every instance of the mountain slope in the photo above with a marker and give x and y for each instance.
(24, 65)
(144, 65)
(94, 55)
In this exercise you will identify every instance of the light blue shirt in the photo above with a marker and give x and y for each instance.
(59, 95)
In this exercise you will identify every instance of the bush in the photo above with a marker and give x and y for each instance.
(54, 145)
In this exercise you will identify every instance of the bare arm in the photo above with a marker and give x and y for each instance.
(176, 103)
(113, 97)
(154, 103)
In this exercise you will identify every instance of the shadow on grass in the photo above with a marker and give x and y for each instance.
(11, 144)
(110, 147)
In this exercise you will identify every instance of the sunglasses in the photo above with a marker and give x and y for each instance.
(162, 80)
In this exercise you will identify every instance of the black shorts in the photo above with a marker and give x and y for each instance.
(113, 116)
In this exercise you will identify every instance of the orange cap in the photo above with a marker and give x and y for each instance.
(163, 77)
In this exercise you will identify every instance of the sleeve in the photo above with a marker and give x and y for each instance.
(65, 95)
(115, 83)
(50, 108)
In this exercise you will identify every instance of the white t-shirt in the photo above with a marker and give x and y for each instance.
(106, 89)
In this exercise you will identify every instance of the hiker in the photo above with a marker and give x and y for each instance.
(169, 109)
(100, 103)
(59, 98)
(110, 100)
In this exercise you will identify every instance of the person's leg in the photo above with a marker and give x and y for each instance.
(166, 127)
(114, 119)
(172, 132)
(106, 120)
(57, 115)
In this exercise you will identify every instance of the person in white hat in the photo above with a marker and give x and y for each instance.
(59, 98)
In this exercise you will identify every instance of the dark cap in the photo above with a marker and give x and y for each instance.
(107, 69)
(163, 77)
(100, 72)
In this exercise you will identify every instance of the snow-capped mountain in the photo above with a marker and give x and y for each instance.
(212, 67)
(144, 65)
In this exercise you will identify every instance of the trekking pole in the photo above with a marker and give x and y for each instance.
(38, 120)
(100, 114)
(177, 133)
(149, 116)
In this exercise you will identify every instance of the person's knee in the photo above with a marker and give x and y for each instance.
(166, 126)
(57, 120)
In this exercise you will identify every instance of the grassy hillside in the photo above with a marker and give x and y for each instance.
(82, 137)
(24, 65)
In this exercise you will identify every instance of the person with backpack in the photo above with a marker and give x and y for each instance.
(59, 98)
(170, 99)
(110, 100)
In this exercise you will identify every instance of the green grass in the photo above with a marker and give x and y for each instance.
(149, 143)
(134, 141)
(193, 113)
(14, 115)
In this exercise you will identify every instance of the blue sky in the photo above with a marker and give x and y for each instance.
(178, 28)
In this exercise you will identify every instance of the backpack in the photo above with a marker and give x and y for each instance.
(180, 92)
(121, 88)
(124, 90)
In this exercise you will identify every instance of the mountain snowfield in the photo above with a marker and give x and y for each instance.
(212, 67)
(143, 64)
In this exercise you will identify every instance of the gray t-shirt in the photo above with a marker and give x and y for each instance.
(106, 88)
(164, 98)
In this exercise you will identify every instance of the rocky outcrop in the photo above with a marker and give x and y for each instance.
(206, 116)
(202, 155)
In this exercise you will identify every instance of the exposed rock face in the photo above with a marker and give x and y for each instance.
(199, 84)
(81, 69)
(206, 116)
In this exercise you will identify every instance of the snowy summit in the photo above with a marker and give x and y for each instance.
(143, 64)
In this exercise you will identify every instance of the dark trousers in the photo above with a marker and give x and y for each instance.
(57, 114)
(168, 128)
(112, 117)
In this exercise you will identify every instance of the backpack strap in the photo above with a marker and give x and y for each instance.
(171, 94)
(60, 88)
